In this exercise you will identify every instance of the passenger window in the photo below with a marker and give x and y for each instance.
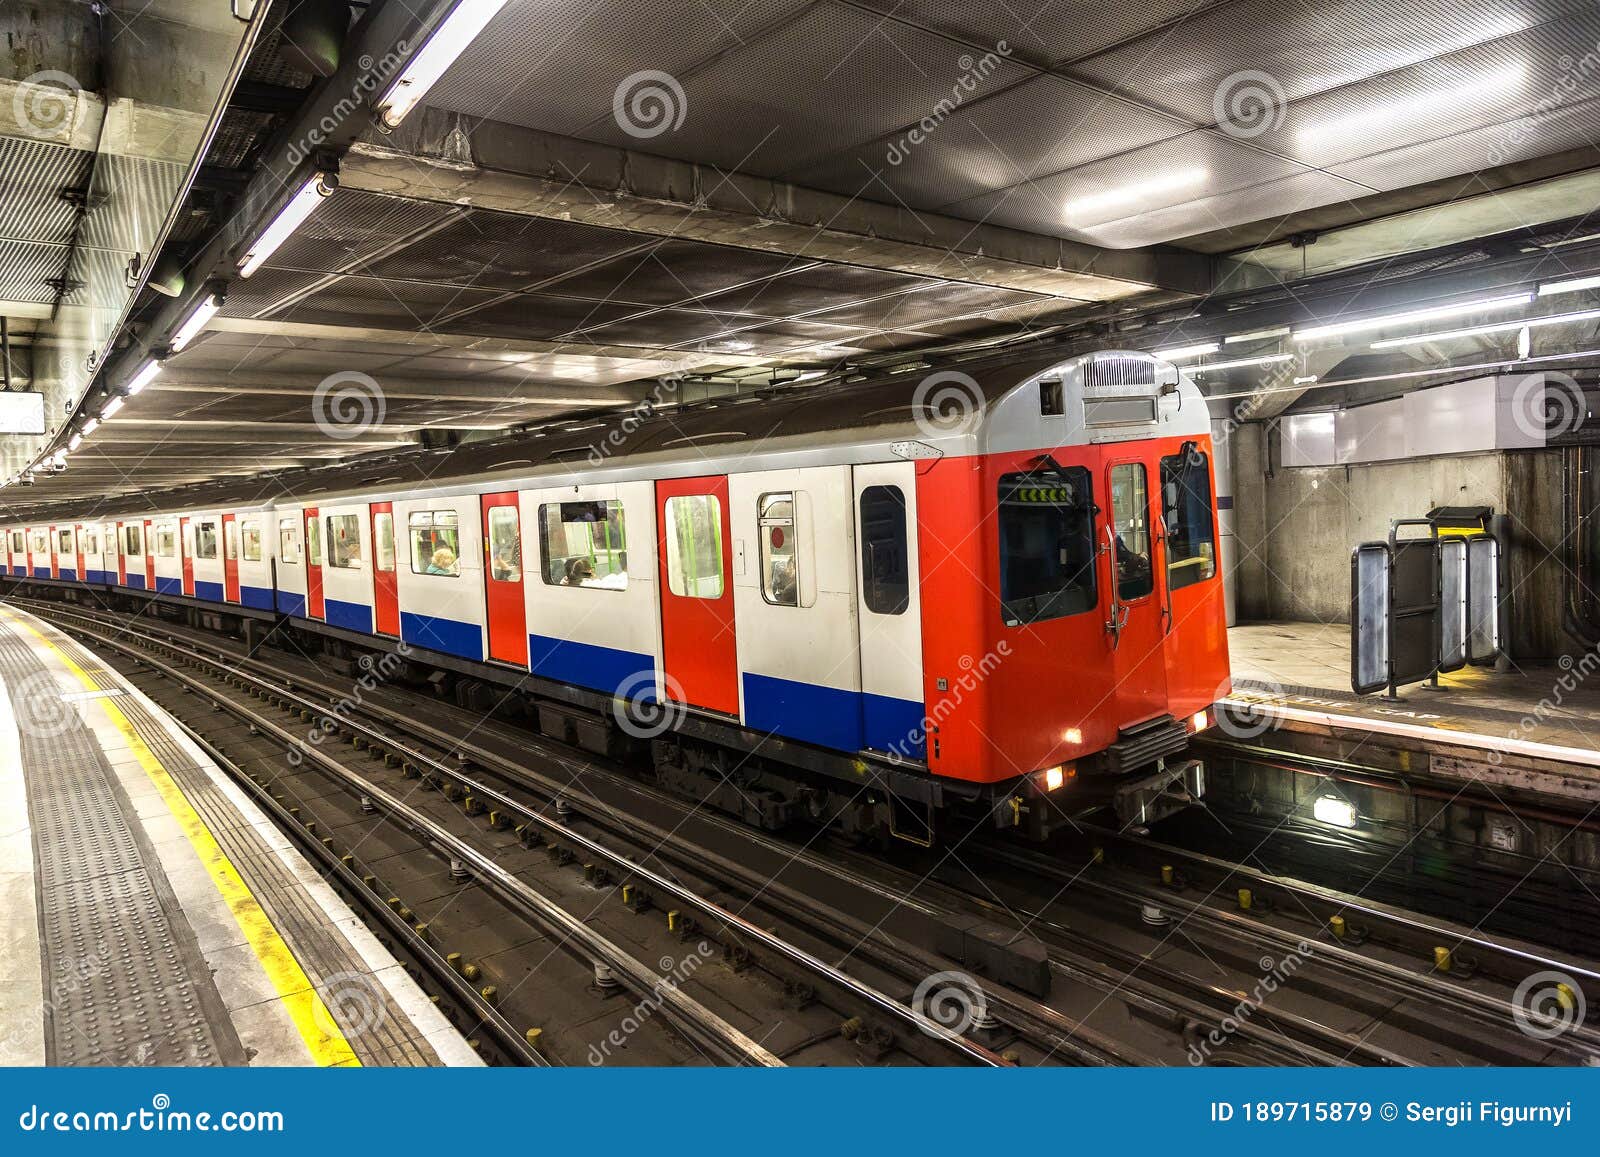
(780, 578)
(1130, 523)
(885, 562)
(252, 541)
(694, 546)
(16, 542)
(585, 544)
(91, 542)
(133, 540)
(505, 545)
(41, 544)
(383, 541)
(166, 542)
(314, 542)
(435, 542)
(230, 541)
(1186, 515)
(1047, 548)
(344, 541)
(289, 540)
(205, 540)
(64, 542)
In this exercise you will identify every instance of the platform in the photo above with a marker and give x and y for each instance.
(150, 914)
(1300, 674)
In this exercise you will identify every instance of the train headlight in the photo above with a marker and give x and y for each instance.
(1200, 721)
(1073, 735)
(1051, 778)
(1330, 809)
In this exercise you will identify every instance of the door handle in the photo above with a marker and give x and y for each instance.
(1119, 613)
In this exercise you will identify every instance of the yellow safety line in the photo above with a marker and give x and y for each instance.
(311, 1017)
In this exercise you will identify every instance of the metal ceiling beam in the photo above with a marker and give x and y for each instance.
(519, 170)
(483, 391)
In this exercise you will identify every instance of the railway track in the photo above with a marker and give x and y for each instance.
(1094, 964)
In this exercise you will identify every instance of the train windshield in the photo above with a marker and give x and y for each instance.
(1046, 545)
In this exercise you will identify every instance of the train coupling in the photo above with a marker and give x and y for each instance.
(1169, 789)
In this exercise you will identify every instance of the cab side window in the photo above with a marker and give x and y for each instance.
(885, 557)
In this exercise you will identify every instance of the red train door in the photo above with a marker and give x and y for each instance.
(122, 559)
(1138, 602)
(230, 558)
(502, 579)
(149, 558)
(187, 555)
(55, 564)
(385, 591)
(314, 604)
(77, 544)
(699, 650)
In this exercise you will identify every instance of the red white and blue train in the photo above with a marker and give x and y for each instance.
(993, 592)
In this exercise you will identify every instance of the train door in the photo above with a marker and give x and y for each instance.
(122, 559)
(186, 550)
(315, 608)
(889, 607)
(230, 558)
(77, 538)
(504, 604)
(149, 537)
(55, 562)
(385, 588)
(1137, 596)
(699, 650)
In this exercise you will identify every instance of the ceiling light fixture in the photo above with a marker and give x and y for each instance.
(1571, 285)
(1496, 327)
(90, 426)
(1172, 353)
(144, 377)
(1265, 360)
(74, 442)
(444, 44)
(288, 219)
(1138, 191)
(1257, 335)
(198, 319)
(113, 404)
(1433, 313)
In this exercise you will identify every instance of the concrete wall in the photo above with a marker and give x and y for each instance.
(1296, 528)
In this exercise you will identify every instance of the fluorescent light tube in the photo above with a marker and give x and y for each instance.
(74, 442)
(289, 218)
(197, 321)
(1571, 285)
(1497, 327)
(1187, 351)
(144, 377)
(447, 42)
(1433, 313)
(1131, 194)
(1266, 359)
(113, 404)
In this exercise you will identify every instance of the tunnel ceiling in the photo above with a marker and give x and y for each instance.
(595, 196)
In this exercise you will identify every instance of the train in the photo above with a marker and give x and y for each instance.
(984, 595)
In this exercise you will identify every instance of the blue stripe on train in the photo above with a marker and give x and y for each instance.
(210, 591)
(446, 635)
(804, 711)
(893, 725)
(168, 586)
(292, 604)
(136, 581)
(70, 574)
(99, 576)
(41, 572)
(605, 669)
(350, 616)
(258, 597)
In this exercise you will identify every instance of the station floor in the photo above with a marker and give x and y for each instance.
(151, 914)
(1302, 670)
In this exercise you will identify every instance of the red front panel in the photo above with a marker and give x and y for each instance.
(188, 557)
(149, 559)
(699, 647)
(502, 579)
(122, 559)
(230, 558)
(385, 588)
(314, 604)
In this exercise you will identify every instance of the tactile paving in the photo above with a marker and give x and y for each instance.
(124, 983)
